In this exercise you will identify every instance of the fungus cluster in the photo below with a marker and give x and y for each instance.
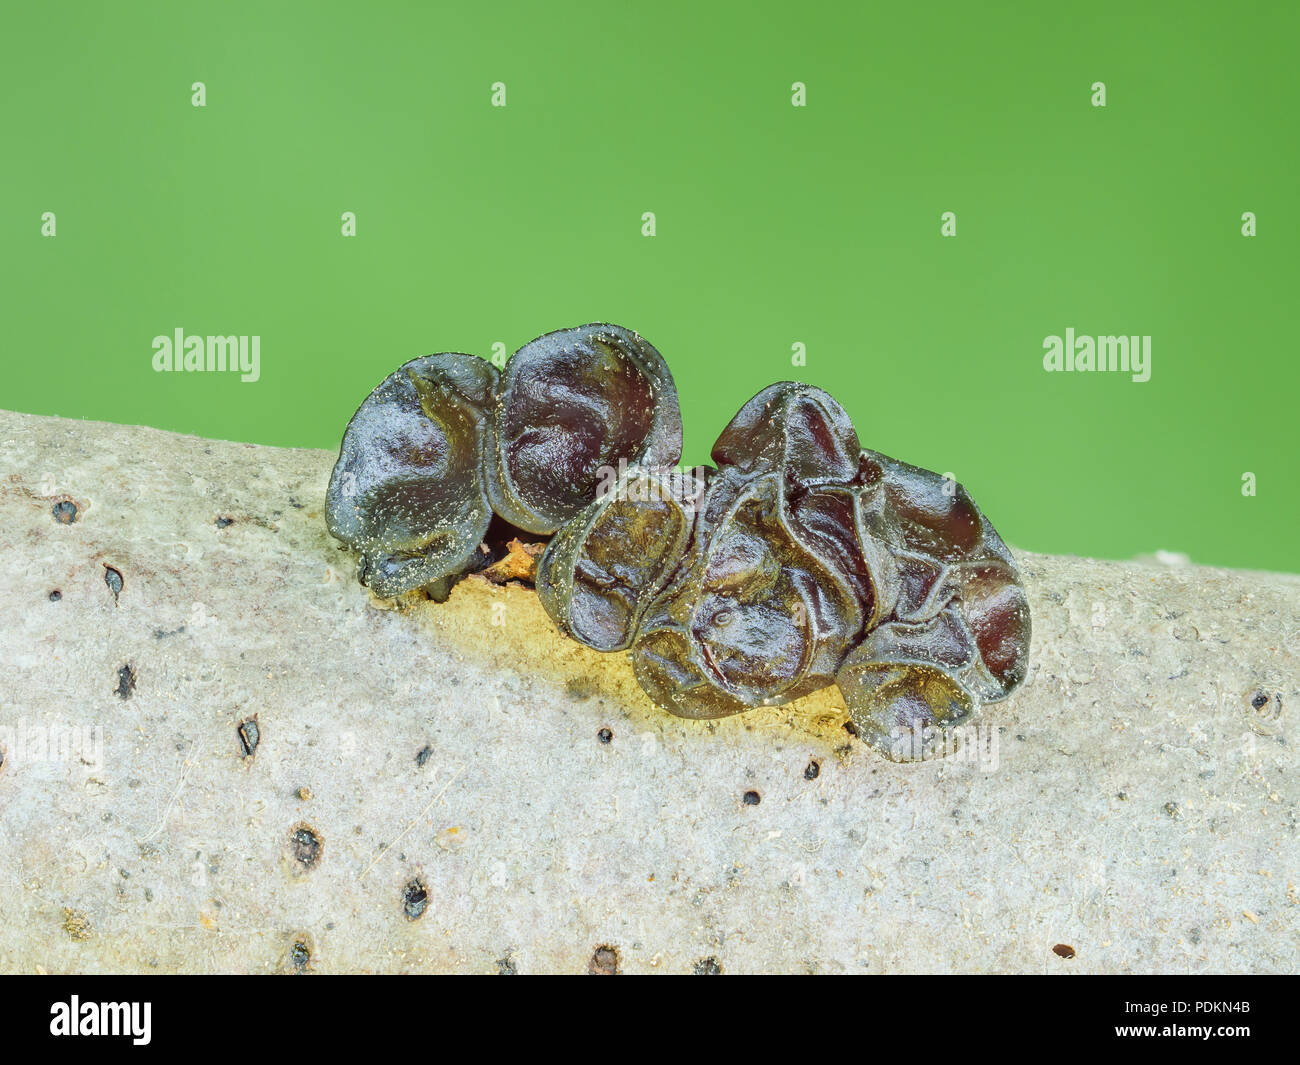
(798, 561)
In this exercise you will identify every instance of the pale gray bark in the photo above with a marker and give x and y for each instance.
(1130, 802)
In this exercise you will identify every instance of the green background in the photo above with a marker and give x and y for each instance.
(775, 225)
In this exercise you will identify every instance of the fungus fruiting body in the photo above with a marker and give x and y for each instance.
(447, 440)
(799, 560)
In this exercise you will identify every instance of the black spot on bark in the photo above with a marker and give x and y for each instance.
(125, 682)
(55, 596)
(305, 845)
(113, 578)
(605, 735)
(812, 770)
(415, 899)
(423, 755)
(223, 523)
(506, 966)
(708, 967)
(249, 736)
(299, 956)
(751, 798)
(65, 511)
(604, 962)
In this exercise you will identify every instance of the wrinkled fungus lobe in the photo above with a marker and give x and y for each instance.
(801, 560)
(447, 440)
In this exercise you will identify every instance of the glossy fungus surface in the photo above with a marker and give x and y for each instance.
(446, 440)
(801, 561)
(572, 405)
